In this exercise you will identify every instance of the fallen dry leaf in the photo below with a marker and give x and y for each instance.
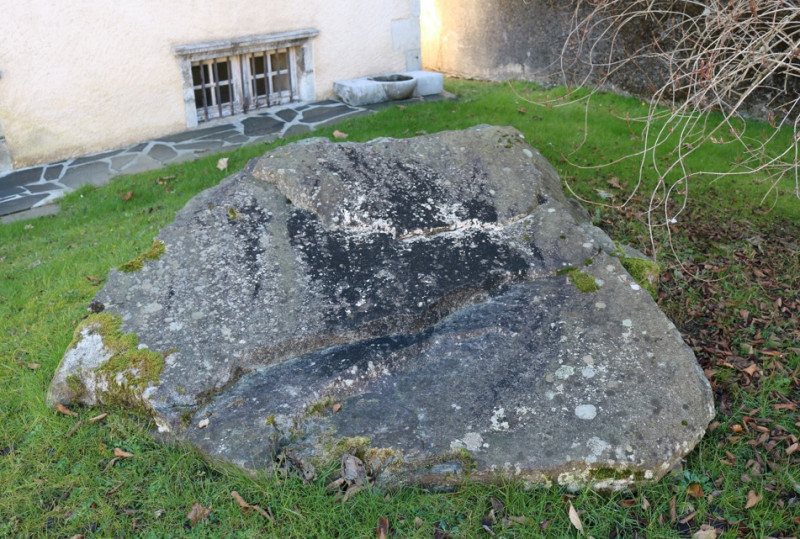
(522, 110)
(751, 370)
(353, 470)
(337, 407)
(351, 491)
(222, 164)
(792, 448)
(198, 513)
(100, 417)
(122, 454)
(64, 410)
(575, 519)
(161, 180)
(613, 181)
(383, 528)
(645, 503)
(695, 490)
(705, 532)
(752, 499)
(127, 196)
(673, 514)
(790, 406)
(247, 507)
(33, 366)
(338, 134)
(627, 502)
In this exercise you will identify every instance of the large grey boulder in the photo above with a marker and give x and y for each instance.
(433, 305)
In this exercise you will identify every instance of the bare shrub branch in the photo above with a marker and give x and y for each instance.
(711, 63)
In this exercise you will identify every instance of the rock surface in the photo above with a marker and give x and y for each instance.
(433, 305)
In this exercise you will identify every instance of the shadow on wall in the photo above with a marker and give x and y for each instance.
(508, 39)
(5, 156)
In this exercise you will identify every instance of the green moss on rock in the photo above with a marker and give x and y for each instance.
(153, 253)
(644, 271)
(602, 474)
(129, 370)
(320, 408)
(76, 386)
(583, 281)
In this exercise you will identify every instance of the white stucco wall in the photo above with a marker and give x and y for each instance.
(87, 75)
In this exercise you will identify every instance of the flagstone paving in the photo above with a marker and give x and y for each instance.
(25, 192)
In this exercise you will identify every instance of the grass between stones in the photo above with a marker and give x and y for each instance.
(729, 279)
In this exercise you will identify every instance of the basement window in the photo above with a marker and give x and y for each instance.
(224, 78)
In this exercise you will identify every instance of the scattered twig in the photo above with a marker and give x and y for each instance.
(115, 489)
(74, 428)
(111, 463)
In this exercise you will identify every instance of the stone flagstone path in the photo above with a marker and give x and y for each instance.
(34, 187)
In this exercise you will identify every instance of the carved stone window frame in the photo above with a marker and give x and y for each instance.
(298, 41)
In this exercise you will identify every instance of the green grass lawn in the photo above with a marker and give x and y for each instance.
(731, 283)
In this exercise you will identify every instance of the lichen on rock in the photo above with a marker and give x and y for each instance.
(427, 304)
(106, 366)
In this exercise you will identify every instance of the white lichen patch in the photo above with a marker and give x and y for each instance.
(600, 305)
(85, 357)
(498, 419)
(596, 448)
(151, 308)
(627, 323)
(586, 411)
(588, 372)
(471, 441)
(564, 372)
(523, 411)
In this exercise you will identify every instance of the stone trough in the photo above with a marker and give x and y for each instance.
(434, 306)
(388, 87)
